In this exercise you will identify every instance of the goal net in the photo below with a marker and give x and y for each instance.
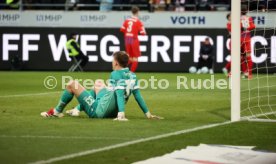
(258, 93)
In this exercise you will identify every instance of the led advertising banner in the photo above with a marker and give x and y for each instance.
(163, 50)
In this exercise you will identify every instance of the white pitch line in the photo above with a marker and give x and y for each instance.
(92, 151)
(29, 94)
(65, 137)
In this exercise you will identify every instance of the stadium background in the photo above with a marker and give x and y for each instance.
(172, 44)
(25, 137)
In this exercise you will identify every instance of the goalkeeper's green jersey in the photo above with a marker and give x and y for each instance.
(125, 83)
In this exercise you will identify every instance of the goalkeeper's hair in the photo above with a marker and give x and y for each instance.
(122, 58)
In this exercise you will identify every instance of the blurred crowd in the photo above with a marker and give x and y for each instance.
(122, 5)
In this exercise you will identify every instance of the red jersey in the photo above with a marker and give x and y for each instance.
(247, 24)
(228, 26)
(132, 27)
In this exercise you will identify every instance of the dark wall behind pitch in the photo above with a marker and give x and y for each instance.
(43, 58)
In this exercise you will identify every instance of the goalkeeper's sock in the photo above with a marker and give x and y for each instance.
(249, 65)
(64, 100)
(134, 66)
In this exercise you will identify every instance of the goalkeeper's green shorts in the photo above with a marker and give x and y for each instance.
(103, 106)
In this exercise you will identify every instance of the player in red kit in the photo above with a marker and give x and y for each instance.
(246, 62)
(247, 24)
(227, 69)
(131, 28)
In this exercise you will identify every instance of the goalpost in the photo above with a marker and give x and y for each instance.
(235, 59)
(254, 99)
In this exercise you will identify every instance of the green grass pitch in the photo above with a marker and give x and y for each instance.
(27, 137)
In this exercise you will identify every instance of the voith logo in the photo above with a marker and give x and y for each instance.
(188, 20)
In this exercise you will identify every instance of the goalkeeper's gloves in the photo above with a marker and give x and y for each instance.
(121, 117)
(154, 117)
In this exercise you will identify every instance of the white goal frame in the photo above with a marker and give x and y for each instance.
(235, 61)
(235, 68)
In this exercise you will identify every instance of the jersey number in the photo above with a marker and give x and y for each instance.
(89, 100)
(129, 27)
(245, 23)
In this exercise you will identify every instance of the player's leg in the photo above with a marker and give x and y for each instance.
(244, 66)
(99, 85)
(130, 59)
(249, 65)
(104, 104)
(86, 99)
(72, 88)
(209, 63)
(227, 68)
(134, 64)
(129, 52)
(243, 61)
(107, 106)
(246, 51)
(199, 65)
(248, 58)
(135, 54)
(76, 110)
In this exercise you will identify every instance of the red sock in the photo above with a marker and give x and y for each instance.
(243, 65)
(228, 66)
(249, 65)
(134, 66)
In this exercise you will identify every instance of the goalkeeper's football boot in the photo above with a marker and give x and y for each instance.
(52, 113)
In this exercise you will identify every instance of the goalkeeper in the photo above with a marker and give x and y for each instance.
(102, 101)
